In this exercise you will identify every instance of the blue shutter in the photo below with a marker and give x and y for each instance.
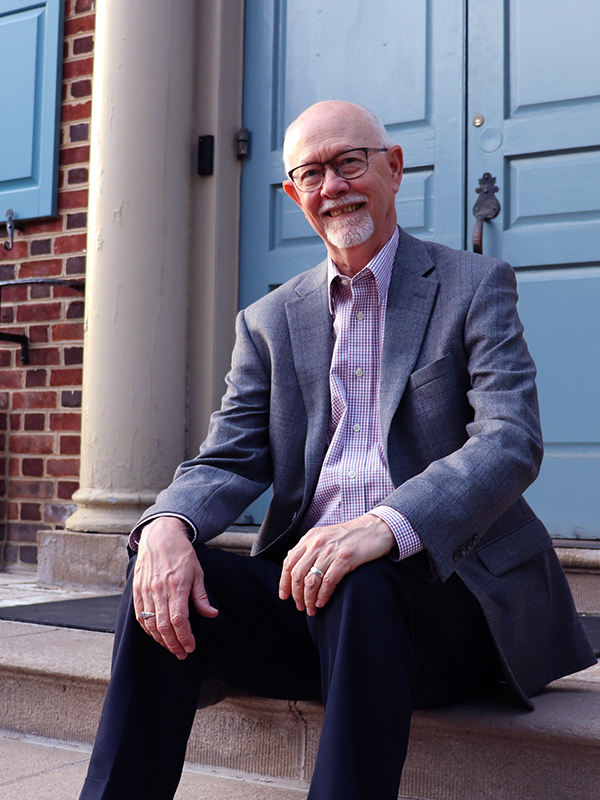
(30, 69)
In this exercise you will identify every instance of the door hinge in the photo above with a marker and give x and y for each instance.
(243, 143)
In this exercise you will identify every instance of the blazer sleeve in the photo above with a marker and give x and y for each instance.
(457, 497)
(233, 466)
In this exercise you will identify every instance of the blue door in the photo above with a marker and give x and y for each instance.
(533, 122)
(466, 87)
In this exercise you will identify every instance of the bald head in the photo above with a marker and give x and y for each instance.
(329, 118)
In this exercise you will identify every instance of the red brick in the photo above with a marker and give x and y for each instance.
(79, 133)
(58, 513)
(14, 467)
(13, 511)
(36, 312)
(41, 247)
(12, 380)
(33, 467)
(63, 467)
(84, 44)
(36, 378)
(44, 356)
(82, 68)
(65, 422)
(35, 422)
(6, 315)
(6, 358)
(78, 175)
(46, 268)
(81, 6)
(82, 88)
(15, 422)
(38, 292)
(3, 422)
(4, 397)
(66, 377)
(48, 226)
(75, 310)
(70, 244)
(67, 331)
(28, 555)
(31, 444)
(34, 400)
(31, 512)
(14, 294)
(75, 155)
(67, 291)
(26, 489)
(66, 489)
(73, 112)
(76, 265)
(70, 445)
(75, 199)
(80, 25)
(18, 252)
(38, 334)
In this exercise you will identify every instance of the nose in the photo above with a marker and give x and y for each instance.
(333, 185)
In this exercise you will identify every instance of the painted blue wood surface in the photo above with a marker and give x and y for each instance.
(533, 73)
(298, 52)
(30, 65)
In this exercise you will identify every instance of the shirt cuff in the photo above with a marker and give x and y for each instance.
(134, 536)
(408, 540)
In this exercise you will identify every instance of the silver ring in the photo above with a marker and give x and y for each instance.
(147, 614)
(316, 571)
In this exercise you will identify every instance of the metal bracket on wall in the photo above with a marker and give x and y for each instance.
(20, 338)
(243, 143)
(11, 227)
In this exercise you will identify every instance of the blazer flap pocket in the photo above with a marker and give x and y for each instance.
(515, 547)
(430, 372)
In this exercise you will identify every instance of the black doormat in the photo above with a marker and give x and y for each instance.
(86, 613)
(100, 614)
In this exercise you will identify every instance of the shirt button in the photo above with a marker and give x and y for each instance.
(360, 315)
(345, 282)
(358, 373)
(356, 427)
(352, 474)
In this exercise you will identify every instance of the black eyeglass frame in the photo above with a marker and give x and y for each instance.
(323, 164)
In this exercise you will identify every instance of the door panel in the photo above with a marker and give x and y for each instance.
(301, 51)
(537, 86)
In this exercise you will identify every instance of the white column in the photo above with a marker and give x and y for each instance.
(138, 256)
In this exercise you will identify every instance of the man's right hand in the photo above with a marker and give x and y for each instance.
(167, 574)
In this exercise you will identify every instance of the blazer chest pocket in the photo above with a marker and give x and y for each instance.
(515, 548)
(430, 372)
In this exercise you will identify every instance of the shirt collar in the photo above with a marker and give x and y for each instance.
(380, 266)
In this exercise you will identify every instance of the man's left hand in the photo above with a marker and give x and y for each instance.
(333, 550)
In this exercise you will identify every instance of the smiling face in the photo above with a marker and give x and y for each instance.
(355, 218)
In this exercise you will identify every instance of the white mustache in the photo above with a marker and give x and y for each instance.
(340, 202)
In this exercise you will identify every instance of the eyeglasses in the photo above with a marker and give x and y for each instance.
(349, 164)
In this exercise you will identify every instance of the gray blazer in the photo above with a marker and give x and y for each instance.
(460, 427)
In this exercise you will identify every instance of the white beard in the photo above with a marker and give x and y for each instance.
(343, 233)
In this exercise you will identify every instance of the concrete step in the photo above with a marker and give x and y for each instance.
(36, 768)
(52, 682)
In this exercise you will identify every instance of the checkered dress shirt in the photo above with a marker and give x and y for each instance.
(355, 476)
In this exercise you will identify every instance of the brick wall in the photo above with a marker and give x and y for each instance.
(40, 404)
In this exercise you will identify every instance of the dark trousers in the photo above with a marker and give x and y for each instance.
(389, 640)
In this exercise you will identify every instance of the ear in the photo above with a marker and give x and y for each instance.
(290, 189)
(396, 162)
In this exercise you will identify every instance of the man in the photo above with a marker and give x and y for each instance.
(389, 397)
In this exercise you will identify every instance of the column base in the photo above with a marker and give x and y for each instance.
(89, 561)
(99, 511)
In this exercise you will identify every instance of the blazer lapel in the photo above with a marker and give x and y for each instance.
(410, 303)
(311, 334)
